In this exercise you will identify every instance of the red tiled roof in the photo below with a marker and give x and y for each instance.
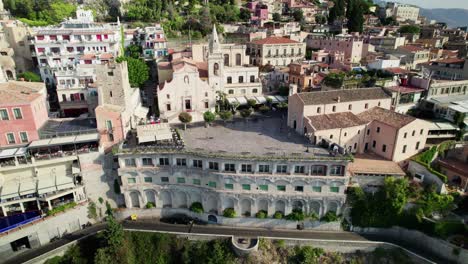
(405, 89)
(19, 92)
(333, 121)
(88, 56)
(385, 116)
(397, 70)
(106, 56)
(274, 40)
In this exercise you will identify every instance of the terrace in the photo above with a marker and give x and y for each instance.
(268, 138)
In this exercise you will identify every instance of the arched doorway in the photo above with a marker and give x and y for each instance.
(134, 200)
(333, 207)
(150, 196)
(298, 205)
(315, 207)
(228, 203)
(211, 205)
(180, 200)
(246, 207)
(166, 199)
(212, 219)
(10, 75)
(280, 206)
(263, 205)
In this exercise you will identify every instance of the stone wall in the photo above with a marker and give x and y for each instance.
(238, 221)
(43, 231)
(441, 248)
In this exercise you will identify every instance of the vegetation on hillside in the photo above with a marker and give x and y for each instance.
(40, 12)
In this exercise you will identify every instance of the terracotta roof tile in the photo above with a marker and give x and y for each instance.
(274, 40)
(385, 116)
(332, 121)
(329, 97)
(19, 92)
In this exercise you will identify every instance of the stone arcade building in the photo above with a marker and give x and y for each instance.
(246, 166)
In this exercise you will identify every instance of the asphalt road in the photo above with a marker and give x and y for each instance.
(157, 226)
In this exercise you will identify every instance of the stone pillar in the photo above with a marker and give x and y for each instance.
(4, 211)
(38, 205)
(127, 200)
(49, 205)
(74, 196)
(271, 208)
(288, 208)
(22, 207)
(143, 200)
(16, 163)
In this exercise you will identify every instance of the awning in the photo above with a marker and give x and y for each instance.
(10, 189)
(27, 186)
(39, 143)
(273, 98)
(64, 182)
(242, 100)
(141, 112)
(9, 153)
(154, 132)
(261, 99)
(46, 184)
(281, 98)
(144, 139)
(164, 135)
(231, 100)
(87, 138)
(62, 141)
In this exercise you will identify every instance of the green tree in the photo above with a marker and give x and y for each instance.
(252, 102)
(307, 254)
(298, 15)
(244, 14)
(355, 15)
(246, 113)
(225, 115)
(337, 11)
(334, 80)
(185, 118)
(133, 51)
(276, 17)
(30, 76)
(209, 117)
(137, 71)
(229, 212)
(411, 29)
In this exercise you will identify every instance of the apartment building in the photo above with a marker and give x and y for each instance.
(153, 42)
(385, 43)
(448, 69)
(354, 48)
(359, 121)
(275, 51)
(23, 110)
(401, 12)
(307, 75)
(413, 56)
(60, 50)
(259, 170)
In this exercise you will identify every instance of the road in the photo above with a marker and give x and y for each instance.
(214, 230)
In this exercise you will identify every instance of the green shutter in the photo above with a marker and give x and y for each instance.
(229, 186)
(196, 181)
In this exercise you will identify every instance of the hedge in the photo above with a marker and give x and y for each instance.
(61, 208)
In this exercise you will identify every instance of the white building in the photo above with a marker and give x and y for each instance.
(59, 51)
(247, 167)
(153, 42)
(402, 12)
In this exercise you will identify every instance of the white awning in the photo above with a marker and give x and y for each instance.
(154, 132)
(164, 135)
(231, 100)
(10, 189)
(141, 111)
(242, 100)
(8, 153)
(46, 184)
(261, 99)
(39, 143)
(64, 182)
(27, 186)
(281, 98)
(87, 138)
(144, 139)
(273, 99)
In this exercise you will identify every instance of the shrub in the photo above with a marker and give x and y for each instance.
(197, 207)
(149, 205)
(29, 76)
(296, 215)
(209, 117)
(229, 212)
(447, 228)
(185, 118)
(252, 102)
(225, 115)
(101, 201)
(282, 105)
(246, 113)
(262, 214)
(264, 109)
(61, 208)
(92, 212)
(278, 215)
(313, 216)
(330, 217)
(281, 243)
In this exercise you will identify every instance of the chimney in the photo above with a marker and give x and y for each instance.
(338, 99)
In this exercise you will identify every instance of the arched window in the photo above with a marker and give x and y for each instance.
(238, 59)
(186, 79)
(226, 59)
(216, 69)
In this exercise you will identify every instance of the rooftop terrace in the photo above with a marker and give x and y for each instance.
(67, 127)
(268, 138)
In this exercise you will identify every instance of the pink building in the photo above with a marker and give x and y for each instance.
(259, 11)
(354, 48)
(23, 110)
(358, 120)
